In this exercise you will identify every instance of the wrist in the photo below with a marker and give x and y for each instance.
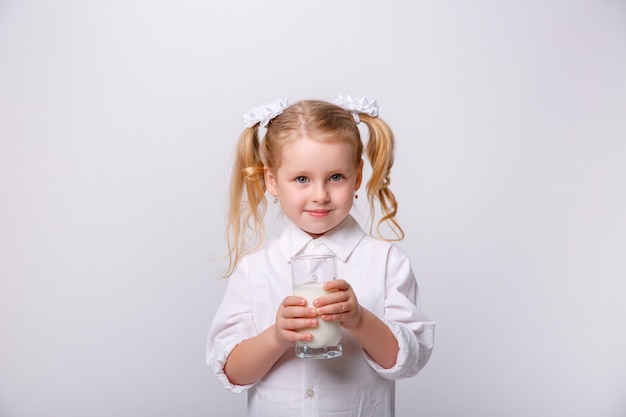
(357, 323)
(278, 342)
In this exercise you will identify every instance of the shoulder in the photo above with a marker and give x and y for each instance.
(378, 244)
(269, 249)
(377, 249)
(269, 245)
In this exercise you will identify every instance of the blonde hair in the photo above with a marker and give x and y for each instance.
(319, 120)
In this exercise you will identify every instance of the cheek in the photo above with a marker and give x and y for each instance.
(345, 195)
(292, 197)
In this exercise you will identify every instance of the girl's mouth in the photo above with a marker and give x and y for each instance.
(317, 213)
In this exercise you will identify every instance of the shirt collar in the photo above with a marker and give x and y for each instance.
(341, 240)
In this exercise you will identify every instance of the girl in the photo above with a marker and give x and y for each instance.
(310, 161)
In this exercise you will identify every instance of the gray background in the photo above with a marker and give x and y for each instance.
(117, 123)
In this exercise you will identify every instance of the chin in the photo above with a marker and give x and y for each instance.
(315, 232)
(319, 231)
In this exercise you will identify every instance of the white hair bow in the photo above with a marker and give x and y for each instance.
(356, 105)
(263, 114)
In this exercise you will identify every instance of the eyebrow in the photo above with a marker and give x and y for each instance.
(302, 172)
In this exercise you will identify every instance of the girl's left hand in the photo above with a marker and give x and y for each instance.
(340, 304)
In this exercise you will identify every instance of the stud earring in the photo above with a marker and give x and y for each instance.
(275, 199)
(356, 196)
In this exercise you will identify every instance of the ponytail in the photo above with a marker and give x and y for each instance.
(247, 203)
(379, 151)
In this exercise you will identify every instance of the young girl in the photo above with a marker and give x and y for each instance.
(310, 161)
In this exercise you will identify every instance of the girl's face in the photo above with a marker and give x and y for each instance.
(315, 183)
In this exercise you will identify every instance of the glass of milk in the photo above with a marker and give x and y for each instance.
(309, 272)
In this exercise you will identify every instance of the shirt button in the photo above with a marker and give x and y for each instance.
(310, 392)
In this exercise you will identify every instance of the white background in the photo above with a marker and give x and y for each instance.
(117, 123)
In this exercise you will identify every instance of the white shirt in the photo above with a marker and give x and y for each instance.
(347, 386)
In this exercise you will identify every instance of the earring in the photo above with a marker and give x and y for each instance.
(275, 199)
(356, 196)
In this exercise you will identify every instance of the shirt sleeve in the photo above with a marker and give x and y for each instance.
(232, 323)
(413, 330)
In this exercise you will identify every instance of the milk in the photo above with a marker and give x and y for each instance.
(326, 333)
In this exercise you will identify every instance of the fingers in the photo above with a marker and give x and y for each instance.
(295, 307)
(290, 336)
(335, 304)
(293, 318)
(292, 300)
(298, 327)
(336, 285)
(339, 292)
(340, 304)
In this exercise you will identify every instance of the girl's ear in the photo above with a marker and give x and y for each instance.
(359, 176)
(270, 181)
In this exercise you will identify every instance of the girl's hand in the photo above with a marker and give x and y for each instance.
(340, 305)
(293, 315)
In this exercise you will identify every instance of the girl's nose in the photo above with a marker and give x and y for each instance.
(320, 193)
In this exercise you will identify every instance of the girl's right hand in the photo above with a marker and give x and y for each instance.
(293, 315)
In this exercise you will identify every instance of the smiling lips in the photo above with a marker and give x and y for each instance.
(317, 213)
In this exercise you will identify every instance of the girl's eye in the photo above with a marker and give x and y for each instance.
(336, 177)
(302, 180)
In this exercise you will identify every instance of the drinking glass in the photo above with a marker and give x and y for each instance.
(309, 272)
